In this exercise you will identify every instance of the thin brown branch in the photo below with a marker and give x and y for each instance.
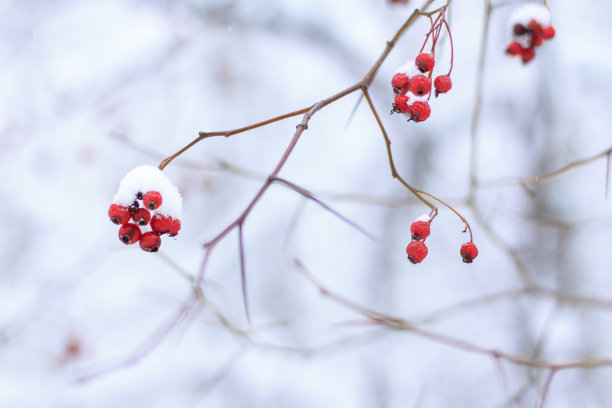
(543, 178)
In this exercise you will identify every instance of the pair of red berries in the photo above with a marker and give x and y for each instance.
(527, 37)
(417, 250)
(420, 230)
(412, 87)
(133, 217)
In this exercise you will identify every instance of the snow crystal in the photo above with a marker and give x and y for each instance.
(409, 68)
(424, 217)
(524, 14)
(150, 178)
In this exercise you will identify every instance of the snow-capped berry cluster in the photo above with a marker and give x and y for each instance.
(146, 206)
(412, 85)
(419, 230)
(530, 26)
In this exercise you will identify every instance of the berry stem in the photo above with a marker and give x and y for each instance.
(394, 172)
(450, 38)
(467, 227)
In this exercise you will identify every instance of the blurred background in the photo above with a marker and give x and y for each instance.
(90, 90)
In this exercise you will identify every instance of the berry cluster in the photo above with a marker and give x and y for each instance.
(146, 206)
(530, 25)
(417, 250)
(412, 85)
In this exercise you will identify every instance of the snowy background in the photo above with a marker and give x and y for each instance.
(92, 89)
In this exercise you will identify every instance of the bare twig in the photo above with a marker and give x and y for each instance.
(396, 323)
(545, 388)
(310, 196)
(543, 178)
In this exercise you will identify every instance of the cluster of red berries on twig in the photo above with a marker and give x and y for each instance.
(417, 250)
(412, 82)
(530, 28)
(137, 208)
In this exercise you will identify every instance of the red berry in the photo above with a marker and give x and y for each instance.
(443, 84)
(548, 32)
(419, 111)
(536, 39)
(150, 241)
(527, 54)
(400, 104)
(419, 230)
(129, 233)
(416, 251)
(161, 224)
(534, 26)
(399, 82)
(152, 200)
(515, 48)
(141, 216)
(425, 62)
(176, 227)
(468, 252)
(419, 85)
(119, 214)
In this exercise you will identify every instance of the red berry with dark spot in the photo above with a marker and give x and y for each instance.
(416, 251)
(399, 82)
(548, 32)
(443, 84)
(419, 111)
(119, 214)
(527, 54)
(129, 233)
(141, 216)
(150, 241)
(425, 62)
(468, 252)
(176, 227)
(419, 85)
(400, 104)
(161, 224)
(152, 200)
(419, 230)
(515, 48)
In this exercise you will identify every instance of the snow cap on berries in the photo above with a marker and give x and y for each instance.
(143, 179)
(524, 14)
(409, 69)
